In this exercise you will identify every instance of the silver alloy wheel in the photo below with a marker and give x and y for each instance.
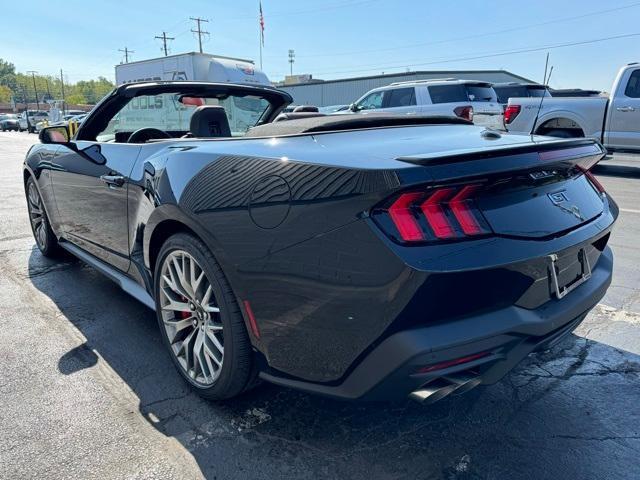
(36, 216)
(191, 318)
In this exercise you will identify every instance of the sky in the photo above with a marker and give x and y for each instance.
(333, 38)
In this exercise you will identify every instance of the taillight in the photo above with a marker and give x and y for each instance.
(437, 214)
(464, 112)
(510, 113)
(594, 181)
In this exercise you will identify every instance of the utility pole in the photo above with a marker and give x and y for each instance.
(26, 100)
(164, 39)
(35, 89)
(292, 59)
(64, 109)
(126, 52)
(198, 30)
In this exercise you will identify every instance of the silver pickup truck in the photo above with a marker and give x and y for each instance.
(613, 120)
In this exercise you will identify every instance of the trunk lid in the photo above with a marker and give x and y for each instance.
(532, 190)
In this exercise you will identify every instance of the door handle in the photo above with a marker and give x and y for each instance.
(113, 180)
(626, 109)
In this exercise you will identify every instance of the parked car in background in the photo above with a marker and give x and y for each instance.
(333, 109)
(505, 91)
(78, 118)
(354, 256)
(9, 121)
(469, 99)
(613, 120)
(29, 119)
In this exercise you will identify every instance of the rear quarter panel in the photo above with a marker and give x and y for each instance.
(588, 113)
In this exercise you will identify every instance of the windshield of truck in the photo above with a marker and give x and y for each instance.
(517, 91)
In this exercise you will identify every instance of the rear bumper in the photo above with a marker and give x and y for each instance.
(506, 336)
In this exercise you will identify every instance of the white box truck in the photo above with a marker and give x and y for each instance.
(199, 67)
(192, 66)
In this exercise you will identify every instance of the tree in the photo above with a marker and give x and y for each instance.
(5, 94)
(21, 86)
(76, 99)
(7, 73)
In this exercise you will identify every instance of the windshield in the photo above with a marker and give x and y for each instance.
(517, 91)
(171, 113)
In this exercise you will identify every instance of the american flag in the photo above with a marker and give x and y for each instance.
(261, 25)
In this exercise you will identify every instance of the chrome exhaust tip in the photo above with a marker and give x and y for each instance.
(433, 391)
(465, 381)
(455, 384)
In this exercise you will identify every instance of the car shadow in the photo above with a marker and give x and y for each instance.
(567, 413)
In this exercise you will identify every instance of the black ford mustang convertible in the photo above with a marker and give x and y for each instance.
(358, 257)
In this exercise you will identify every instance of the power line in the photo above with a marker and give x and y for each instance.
(126, 52)
(198, 30)
(478, 57)
(478, 35)
(164, 39)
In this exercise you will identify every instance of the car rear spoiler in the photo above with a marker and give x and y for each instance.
(457, 164)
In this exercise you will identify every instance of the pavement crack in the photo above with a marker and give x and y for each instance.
(162, 400)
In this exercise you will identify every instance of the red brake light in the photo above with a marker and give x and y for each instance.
(403, 218)
(461, 208)
(510, 113)
(464, 112)
(448, 212)
(436, 216)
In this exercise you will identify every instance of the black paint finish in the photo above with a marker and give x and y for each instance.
(289, 220)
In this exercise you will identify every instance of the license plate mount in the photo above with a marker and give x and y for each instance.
(585, 274)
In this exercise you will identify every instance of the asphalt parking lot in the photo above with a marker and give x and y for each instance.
(87, 390)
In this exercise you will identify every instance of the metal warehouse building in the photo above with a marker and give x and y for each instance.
(348, 90)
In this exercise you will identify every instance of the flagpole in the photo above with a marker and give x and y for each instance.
(260, 31)
(260, 40)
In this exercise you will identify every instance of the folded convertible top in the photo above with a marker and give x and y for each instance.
(330, 123)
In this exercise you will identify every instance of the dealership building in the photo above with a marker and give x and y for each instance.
(345, 91)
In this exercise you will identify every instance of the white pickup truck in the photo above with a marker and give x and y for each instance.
(614, 120)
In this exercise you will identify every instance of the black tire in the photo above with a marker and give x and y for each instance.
(237, 372)
(559, 133)
(45, 239)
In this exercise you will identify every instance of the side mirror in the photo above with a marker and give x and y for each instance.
(353, 107)
(59, 135)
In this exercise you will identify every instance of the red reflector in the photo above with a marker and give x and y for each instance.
(510, 113)
(460, 206)
(436, 216)
(403, 218)
(452, 363)
(252, 319)
(464, 112)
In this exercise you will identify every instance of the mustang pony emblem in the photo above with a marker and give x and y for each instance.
(559, 198)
